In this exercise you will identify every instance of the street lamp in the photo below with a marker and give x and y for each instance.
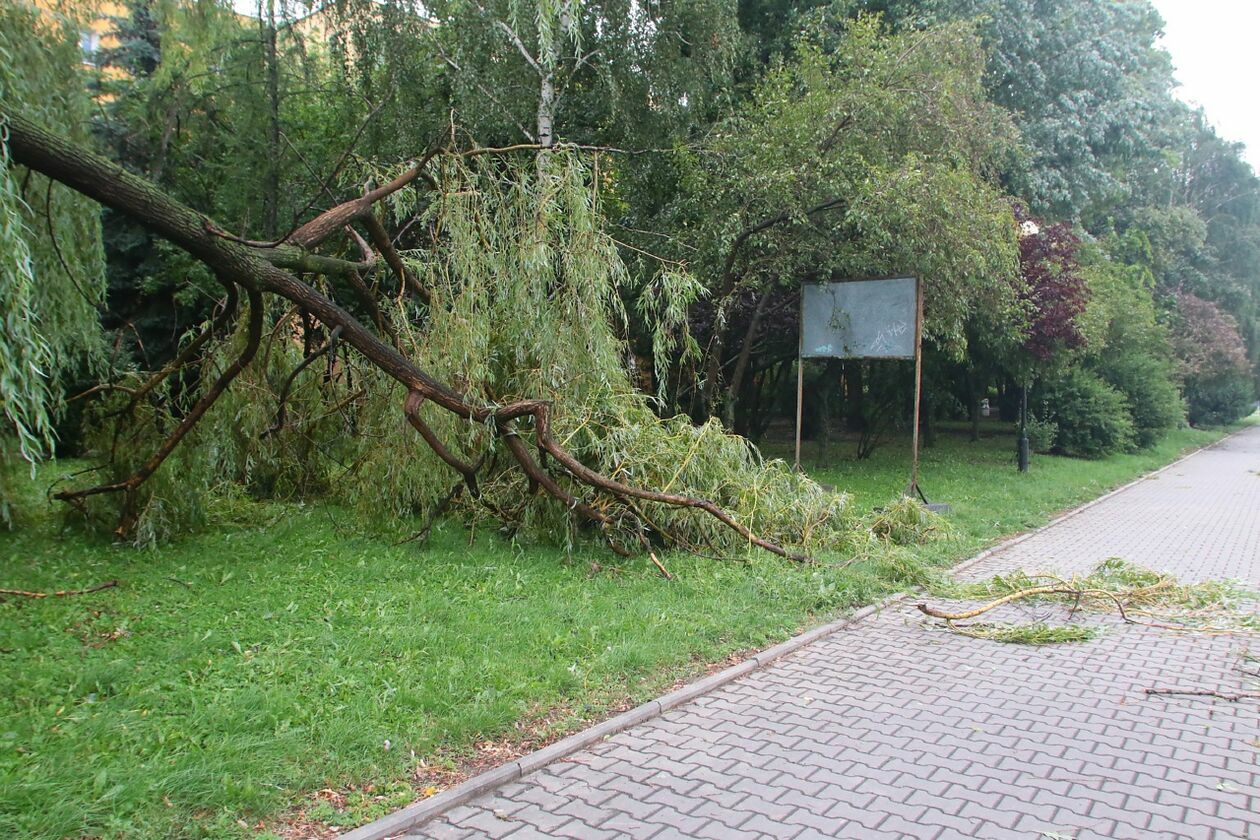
(1023, 428)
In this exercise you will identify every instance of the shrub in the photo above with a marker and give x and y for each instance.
(1041, 434)
(1148, 385)
(1219, 387)
(1219, 400)
(1093, 418)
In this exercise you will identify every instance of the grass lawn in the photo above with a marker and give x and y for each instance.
(230, 676)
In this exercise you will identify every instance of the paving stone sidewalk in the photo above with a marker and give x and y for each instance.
(895, 729)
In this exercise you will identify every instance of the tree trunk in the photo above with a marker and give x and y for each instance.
(830, 404)
(271, 58)
(768, 400)
(855, 396)
(973, 402)
(741, 363)
(546, 111)
(713, 358)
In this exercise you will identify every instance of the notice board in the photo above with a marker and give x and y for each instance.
(861, 319)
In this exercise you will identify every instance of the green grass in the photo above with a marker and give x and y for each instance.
(987, 495)
(231, 674)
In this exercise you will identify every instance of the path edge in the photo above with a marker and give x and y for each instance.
(413, 816)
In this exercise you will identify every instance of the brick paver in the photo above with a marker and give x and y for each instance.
(896, 729)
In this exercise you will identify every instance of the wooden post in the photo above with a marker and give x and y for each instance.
(800, 391)
(918, 387)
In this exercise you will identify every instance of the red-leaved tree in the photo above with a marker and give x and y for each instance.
(1054, 288)
(1207, 339)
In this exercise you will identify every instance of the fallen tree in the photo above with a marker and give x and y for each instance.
(513, 443)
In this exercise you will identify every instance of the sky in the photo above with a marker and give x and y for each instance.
(1215, 48)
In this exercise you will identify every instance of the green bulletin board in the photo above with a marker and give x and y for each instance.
(863, 319)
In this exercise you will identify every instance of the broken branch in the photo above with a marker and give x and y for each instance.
(1005, 599)
(64, 593)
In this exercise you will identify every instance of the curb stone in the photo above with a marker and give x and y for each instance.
(411, 817)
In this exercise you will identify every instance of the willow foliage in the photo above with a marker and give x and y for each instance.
(24, 354)
(526, 303)
(52, 275)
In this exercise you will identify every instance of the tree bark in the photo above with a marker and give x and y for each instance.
(741, 363)
(973, 402)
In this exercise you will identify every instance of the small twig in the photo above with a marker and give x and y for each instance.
(660, 566)
(1124, 616)
(438, 510)
(104, 386)
(1204, 692)
(1076, 605)
(109, 584)
(282, 400)
(52, 238)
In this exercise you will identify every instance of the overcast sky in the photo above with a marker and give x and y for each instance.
(1215, 46)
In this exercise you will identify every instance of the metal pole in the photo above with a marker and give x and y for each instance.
(800, 389)
(918, 386)
(1023, 429)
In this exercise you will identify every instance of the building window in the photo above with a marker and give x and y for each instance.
(90, 44)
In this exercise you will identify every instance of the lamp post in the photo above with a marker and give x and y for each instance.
(1023, 428)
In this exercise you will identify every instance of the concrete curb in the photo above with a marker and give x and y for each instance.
(415, 815)
(1063, 517)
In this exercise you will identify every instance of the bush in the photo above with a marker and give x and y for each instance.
(1041, 434)
(1219, 387)
(1220, 400)
(1148, 385)
(1093, 418)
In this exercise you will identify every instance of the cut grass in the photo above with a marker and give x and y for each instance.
(1030, 633)
(234, 673)
(1115, 586)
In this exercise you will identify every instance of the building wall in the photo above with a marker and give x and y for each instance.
(93, 20)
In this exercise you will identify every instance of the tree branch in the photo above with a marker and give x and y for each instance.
(203, 404)
(185, 356)
(301, 260)
(282, 400)
(381, 240)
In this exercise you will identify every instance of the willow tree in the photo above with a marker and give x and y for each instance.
(51, 264)
(495, 344)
